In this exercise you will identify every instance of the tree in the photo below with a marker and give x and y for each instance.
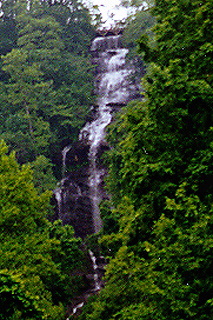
(160, 178)
(14, 301)
(36, 257)
(137, 25)
(43, 177)
(27, 90)
(46, 88)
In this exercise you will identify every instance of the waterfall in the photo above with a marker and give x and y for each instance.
(82, 190)
(112, 82)
(95, 268)
(64, 155)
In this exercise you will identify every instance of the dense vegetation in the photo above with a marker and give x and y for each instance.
(45, 94)
(46, 78)
(158, 224)
(36, 257)
(158, 229)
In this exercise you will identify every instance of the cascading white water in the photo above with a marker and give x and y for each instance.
(112, 88)
(64, 155)
(81, 189)
(95, 269)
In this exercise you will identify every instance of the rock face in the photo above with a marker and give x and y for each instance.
(81, 188)
(73, 199)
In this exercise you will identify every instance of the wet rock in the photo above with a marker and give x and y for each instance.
(82, 186)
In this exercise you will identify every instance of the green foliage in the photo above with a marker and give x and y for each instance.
(36, 257)
(43, 177)
(160, 178)
(47, 76)
(140, 23)
(137, 3)
(70, 256)
(14, 301)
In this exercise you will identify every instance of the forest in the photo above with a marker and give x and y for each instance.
(157, 230)
(46, 92)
